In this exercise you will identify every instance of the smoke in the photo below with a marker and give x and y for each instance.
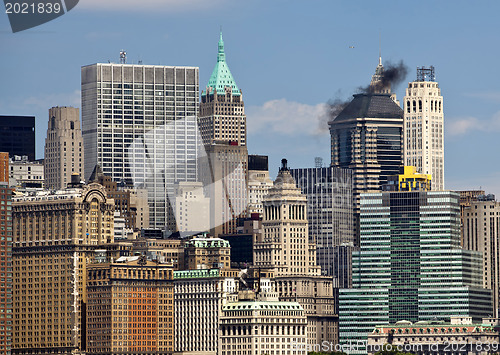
(392, 75)
(332, 108)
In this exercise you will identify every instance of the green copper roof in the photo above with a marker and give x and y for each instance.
(221, 76)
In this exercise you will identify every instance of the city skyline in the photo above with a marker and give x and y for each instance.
(288, 59)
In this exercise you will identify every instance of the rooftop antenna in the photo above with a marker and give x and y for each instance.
(123, 57)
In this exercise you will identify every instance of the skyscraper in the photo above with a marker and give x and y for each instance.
(222, 125)
(6, 314)
(410, 265)
(17, 135)
(259, 183)
(63, 147)
(330, 216)
(139, 125)
(424, 126)
(481, 232)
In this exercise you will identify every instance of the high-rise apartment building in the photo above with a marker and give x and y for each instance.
(139, 125)
(130, 308)
(284, 250)
(410, 265)
(222, 125)
(481, 232)
(424, 126)
(330, 217)
(6, 309)
(63, 147)
(55, 235)
(17, 135)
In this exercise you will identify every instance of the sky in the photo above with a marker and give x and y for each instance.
(288, 57)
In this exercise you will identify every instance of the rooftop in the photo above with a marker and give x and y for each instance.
(263, 305)
(370, 106)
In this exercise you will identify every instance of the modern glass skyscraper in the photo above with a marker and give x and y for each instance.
(410, 265)
(17, 136)
(139, 125)
(330, 216)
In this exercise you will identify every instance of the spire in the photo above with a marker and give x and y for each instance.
(221, 56)
(221, 77)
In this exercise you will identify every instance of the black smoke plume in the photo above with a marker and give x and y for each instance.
(392, 75)
(333, 108)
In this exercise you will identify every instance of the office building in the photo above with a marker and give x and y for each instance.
(424, 126)
(481, 232)
(259, 183)
(203, 252)
(466, 198)
(222, 125)
(192, 208)
(410, 265)
(408, 180)
(17, 135)
(330, 216)
(199, 296)
(63, 147)
(130, 307)
(55, 235)
(459, 335)
(284, 251)
(263, 327)
(139, 125)
(6, 307)
(366, 137)
(26, 174)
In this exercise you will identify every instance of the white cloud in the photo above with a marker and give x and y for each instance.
(287, 117)
(148, 5)
(463, 125)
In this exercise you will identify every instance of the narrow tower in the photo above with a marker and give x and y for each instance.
(424, 126)
(222, 124)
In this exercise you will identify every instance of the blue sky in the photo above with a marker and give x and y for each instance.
(288, 57)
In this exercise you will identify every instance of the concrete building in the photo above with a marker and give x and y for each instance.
(139, 125)
(222, 124)
(26, 174)
(192, 208)
(330, 217)
(63, 147)
(459, 335)
(6, 307)
(17, 136)
(54, 238)
(199, 296)
(481, 232)
(263, 327)
(207, 253)
(130, 307)
(410, 265)
(285, 252)
(424, 126)
(259, 183)
(466, 198)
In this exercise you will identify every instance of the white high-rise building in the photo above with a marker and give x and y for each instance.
(139, 125)
(424, 127)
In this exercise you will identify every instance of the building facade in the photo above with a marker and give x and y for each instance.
(410, 265)
(130, 307)
(424, 126)
(481, 232)
(54, 238)
(26, 174)
(330, 217)
(222, 124)
(139, 125)
(63, 147)
(207, 253)
(199, 297)
(4, 167)
(6, 307)
(284, 251)
(259, 183)
(192, 208)
(17, 136)
(263, 327)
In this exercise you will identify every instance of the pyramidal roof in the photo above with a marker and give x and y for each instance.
(221, 76)
(370, 105)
